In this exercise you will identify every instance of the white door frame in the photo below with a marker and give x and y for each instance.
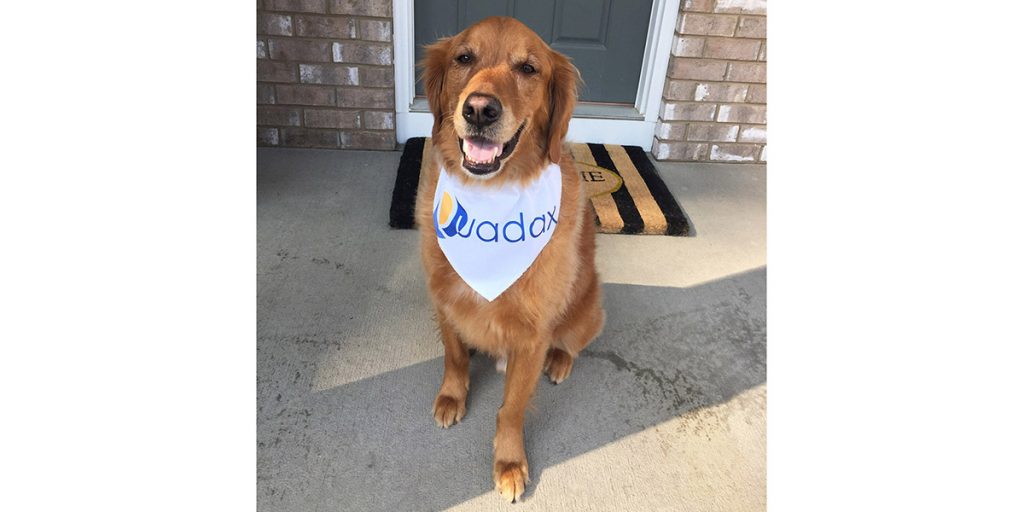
(636, 129)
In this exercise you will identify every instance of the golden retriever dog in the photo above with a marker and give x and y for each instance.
(501, 100)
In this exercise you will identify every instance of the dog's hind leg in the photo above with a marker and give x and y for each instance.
(450, 405)
(583, 322)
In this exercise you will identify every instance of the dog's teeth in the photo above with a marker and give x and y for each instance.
(488, 159)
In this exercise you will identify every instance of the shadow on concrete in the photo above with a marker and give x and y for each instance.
(373, 445)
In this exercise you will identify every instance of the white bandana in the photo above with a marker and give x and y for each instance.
(491, 235)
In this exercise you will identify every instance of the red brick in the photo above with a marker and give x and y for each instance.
(300, 50)
(378, 8)
(266, 136)
(758, 93)
(753, 134)
(331, 118)
(742, 6)
(752, 26)
(753, 114)
(296, 5)
(325, 26)
(362, 53)
(309, 138)
(699, 5)
(712, 132)
(735, 152)
(275, 71)
(747, 72)
(688, 46)
(264, 93)
(368, 140)
(331, 74)
(670, 131)
(687, 112)
(707, 24)
(375, 120)
(679, 90)
(377, 77)
(685, 151)
(375, 30)
(364, 98)
(273, 24)
(730, 48)
(305, 95)
(720, 92)
(697, 69)
(278, 116)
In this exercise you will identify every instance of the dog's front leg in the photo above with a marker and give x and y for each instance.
(450, 405)
(511, 472)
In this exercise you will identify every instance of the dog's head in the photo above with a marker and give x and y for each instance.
(501, 99)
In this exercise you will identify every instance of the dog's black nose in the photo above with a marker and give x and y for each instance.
(481, 109)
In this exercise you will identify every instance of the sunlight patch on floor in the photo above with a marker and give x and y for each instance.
(677, 262)
(712, 458)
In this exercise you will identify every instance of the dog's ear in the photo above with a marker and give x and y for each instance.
(564, 78)
(435, 66)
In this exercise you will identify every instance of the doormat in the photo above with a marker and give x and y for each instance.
(628, 195)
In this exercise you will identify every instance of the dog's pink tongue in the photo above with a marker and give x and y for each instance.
(480, 151)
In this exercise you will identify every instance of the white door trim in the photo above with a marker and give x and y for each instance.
(637, 132)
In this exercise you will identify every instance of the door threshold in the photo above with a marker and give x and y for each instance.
(606, 111)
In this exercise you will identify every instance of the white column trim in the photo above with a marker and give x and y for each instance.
(405, 73)
(657, 52)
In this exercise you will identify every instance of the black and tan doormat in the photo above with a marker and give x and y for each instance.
(625, 189)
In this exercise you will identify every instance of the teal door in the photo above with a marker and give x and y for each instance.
(604, 38)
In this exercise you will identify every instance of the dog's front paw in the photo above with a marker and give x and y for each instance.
(510, 479)
(448, 410)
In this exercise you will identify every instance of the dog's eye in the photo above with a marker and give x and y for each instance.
(528, 69)
(465, 58)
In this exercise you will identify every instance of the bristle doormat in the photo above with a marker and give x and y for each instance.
(628, 195)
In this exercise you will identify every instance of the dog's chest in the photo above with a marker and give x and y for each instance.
(529, 306)
(532, 303)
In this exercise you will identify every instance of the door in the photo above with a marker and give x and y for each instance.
(604, 38)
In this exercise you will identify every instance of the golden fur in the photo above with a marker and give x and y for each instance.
(553, 311)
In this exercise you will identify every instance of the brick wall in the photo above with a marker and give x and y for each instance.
(714, 103)
(325, 76)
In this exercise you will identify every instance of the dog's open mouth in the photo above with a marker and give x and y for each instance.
(481, 156)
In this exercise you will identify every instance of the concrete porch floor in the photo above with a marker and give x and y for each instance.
(664, 411)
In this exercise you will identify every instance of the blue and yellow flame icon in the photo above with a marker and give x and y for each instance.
(449, 216)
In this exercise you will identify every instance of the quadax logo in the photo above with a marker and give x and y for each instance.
(451, 218)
